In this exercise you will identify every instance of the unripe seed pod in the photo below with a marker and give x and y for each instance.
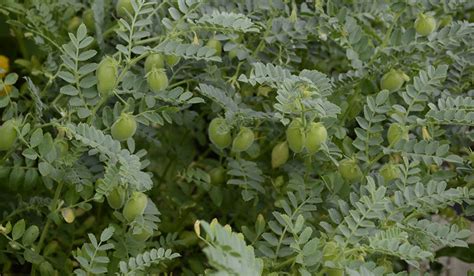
(124, 128)
(393, 80)
(217, 176)
(172, 60)
(124, 6)
(389, 172)
(425, 24)
(68, 215)
(445, 21)
(219, 133)
(73, 24)
(89, 21)
(295, 136)
(135, 206)
(215, 44)
(116, 197)
(106, 73)
(350, 170)
(279, 181)
(154, 60)
(157, 80)
(330, 251)
(144, 235)
(243, 140)
(396, 132)
(280, 154)
(315, 137)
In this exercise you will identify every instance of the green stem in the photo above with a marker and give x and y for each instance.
(110, 31)
(21, 43)
(18, 211)
(261, 45)
(53, 207)
(93, 257)
(296, 212)
(307, 163)
(285, 263)
(148, 40)
(386, 38)
(178, 83)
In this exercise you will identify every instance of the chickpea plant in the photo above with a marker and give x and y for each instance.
(284, 137)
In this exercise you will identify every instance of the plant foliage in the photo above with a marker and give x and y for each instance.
(315, 137)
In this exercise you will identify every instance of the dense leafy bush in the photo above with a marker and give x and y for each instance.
(219, 137)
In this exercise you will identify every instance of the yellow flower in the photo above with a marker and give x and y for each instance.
(4, 64)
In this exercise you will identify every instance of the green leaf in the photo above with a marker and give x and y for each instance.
(107, 234)
(36, 138)
(18, 229)
(465, 254)
(45, 168)
(30, 154)
(32, 257)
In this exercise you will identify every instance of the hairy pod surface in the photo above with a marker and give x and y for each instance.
(219, 133)
(157, 80)
(135, 206)
(350, 170)
(280, 154)
(124, 128)
(243, 140)
(425, 24)
(107, 73)
(295, 136)
(316, 135)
